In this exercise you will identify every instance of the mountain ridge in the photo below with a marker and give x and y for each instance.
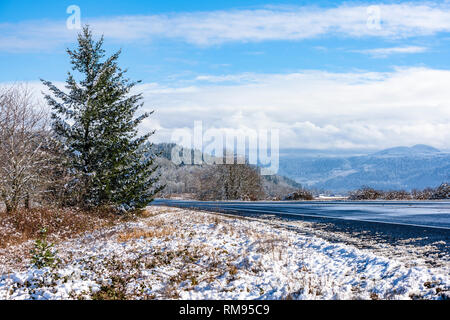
(408, 168)
(416, 149)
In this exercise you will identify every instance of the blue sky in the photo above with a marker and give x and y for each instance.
(162, 59)
(319, 70)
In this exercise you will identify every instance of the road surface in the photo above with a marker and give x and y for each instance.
(426, 221)
(417, 213)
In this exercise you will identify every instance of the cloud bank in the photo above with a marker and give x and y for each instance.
(385, 52)
(391, 21)
(312, 109)
(315, 109)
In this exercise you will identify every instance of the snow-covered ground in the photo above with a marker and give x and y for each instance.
(182, 254)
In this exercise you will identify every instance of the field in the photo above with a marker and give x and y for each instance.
(173, 253)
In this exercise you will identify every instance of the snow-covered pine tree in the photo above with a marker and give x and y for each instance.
(96, 122)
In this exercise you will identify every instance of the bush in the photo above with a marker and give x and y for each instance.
(442, 192)
(397, 195)
(60, 224)
(424, 194)
(301, 194)
(366, 193)
(43, 253)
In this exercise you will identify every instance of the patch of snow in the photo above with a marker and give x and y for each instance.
(184, 254)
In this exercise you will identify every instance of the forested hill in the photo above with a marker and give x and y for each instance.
(396, 168)
(189, 179)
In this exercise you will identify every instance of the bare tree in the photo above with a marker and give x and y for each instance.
(24, 143)
(231, 182)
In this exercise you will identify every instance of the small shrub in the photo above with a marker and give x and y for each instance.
(233, 270)
(374, 296)
(43, 253)
(114, 291)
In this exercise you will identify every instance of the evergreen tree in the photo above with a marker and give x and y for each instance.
(96, 122)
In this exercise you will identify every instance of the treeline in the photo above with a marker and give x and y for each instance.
(218, 182)
(88, 153)
(367, 193)
(243, 182)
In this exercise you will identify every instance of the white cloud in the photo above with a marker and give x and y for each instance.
(217, 27)
(315, 109)
(385, 52)
(312, 109)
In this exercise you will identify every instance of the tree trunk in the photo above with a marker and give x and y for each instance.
(9, 208)
(27, 201)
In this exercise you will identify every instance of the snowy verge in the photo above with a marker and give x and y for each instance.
(183, 254)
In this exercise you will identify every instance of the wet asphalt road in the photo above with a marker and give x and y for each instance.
(427, 222)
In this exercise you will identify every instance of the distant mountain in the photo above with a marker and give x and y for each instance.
(414, 150)
(407, 168)
(338, 172)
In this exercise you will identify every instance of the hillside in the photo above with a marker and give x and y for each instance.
(407, 168)
(185, 179)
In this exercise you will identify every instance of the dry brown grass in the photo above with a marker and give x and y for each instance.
(154, 211)
(140, 233)
(60, 224)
